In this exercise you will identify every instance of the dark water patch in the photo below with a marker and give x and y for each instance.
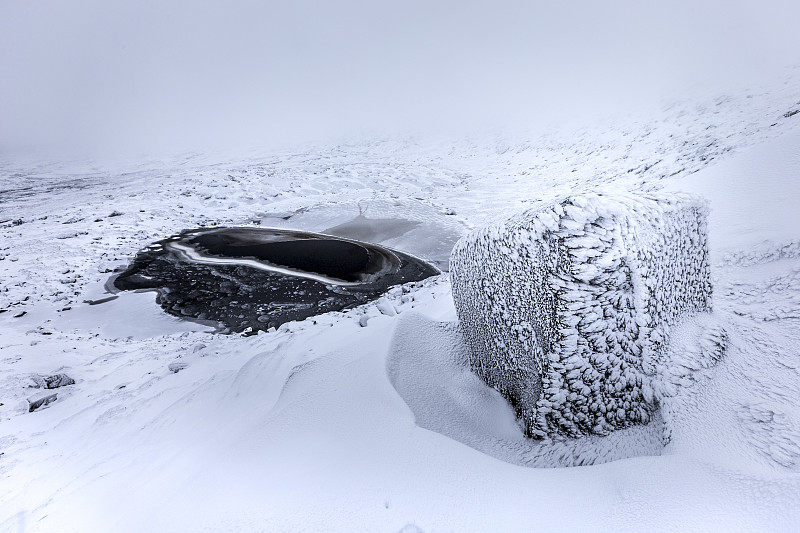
(328, 257)
(251, 279)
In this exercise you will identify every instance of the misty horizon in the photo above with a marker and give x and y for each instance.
(98, 76)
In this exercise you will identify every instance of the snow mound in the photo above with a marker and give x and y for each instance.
(567, 308)
(428, 365)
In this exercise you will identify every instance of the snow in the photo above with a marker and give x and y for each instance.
(370, 421)
(765, 176)
(429, 368)
(567, 307)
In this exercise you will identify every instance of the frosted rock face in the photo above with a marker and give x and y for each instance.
(567, 308)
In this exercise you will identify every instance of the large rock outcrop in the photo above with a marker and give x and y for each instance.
(568, 307)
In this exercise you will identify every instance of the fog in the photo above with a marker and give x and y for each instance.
(101, 75)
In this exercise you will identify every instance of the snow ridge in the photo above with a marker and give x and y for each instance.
(568, 308)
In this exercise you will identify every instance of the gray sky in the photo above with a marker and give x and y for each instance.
(161, 75)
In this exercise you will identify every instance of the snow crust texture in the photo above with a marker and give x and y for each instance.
(568, 308)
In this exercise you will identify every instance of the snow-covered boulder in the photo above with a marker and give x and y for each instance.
(567, 308)
(53, 382)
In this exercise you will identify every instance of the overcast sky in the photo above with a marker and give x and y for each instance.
(190, 73)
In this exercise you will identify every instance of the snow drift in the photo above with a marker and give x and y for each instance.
(568, 308)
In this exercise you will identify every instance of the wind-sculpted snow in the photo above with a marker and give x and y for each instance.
(428, 365)
(369, 415)
(568, 308)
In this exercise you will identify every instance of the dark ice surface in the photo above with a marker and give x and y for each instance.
(335, 258)
(251, 279)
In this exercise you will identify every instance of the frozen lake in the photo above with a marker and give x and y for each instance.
(251, 279)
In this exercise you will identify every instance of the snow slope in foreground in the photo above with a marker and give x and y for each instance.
(306, 428)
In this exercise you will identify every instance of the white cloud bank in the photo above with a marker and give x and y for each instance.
(185, 74)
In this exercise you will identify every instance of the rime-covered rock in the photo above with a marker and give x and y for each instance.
(36, 402)
(57, 380)
(52, 382)
(567, 308)
(177, 366)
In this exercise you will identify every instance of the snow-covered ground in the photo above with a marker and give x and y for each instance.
(368, 420)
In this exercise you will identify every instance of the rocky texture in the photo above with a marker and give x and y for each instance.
(567, 308)
(177, 366)
(53, 382)
(36, 402)
(252, 279)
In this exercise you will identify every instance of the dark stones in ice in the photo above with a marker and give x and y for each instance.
(252, 279)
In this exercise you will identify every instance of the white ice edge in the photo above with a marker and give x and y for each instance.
(193, 255)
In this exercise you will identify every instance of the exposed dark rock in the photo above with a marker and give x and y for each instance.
(101, 300)
(58, 380)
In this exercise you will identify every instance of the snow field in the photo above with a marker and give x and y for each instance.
(368, 421)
